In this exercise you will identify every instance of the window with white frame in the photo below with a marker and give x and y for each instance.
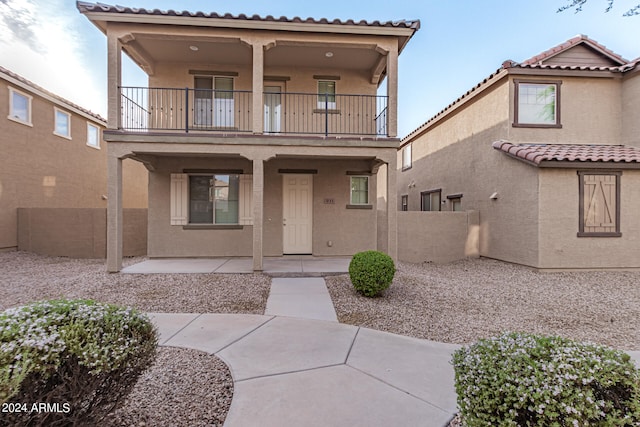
(537, 104)
(19, 106)
(62, 123)
(214, 199)
(406, 157)
(430, 200)
(327, 94)
(404, 202)
(93, 136)
(359, 190)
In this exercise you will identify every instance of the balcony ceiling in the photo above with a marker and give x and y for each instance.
(150, 50)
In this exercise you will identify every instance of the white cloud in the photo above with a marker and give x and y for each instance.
(39, 40)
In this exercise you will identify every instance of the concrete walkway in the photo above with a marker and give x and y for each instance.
(305, 297)
(305, 372)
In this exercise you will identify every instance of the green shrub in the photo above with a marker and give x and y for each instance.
(81, 358)
(526, 380)
(371, 272)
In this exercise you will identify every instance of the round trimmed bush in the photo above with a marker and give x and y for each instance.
(371, 272)
(519, 379)
(74, 360)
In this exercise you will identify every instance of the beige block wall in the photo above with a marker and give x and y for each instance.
(78, 232)
(560, 248)
(40, 169)
(443, 237)
(631, 109)
(349, 230)
(591, 113)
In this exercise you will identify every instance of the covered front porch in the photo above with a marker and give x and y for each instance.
(244, 200)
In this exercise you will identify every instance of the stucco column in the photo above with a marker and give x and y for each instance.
(392, 209)
(258, 212)
(114, 80)
(114, 214)
(392, 92)
(258, 87)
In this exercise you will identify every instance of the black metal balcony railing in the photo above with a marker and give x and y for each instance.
(151, 109)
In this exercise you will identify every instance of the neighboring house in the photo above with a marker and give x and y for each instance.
(262, 136)
(547, 151)
(53, 156)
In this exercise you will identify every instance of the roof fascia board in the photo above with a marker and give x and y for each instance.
(585, 165)
(67, 106)
(247, 24)
(542, 72)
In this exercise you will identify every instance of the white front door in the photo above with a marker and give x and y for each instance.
(297, 198)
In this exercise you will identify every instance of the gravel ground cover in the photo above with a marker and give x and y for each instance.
(167, 395)
(184, 387)
(26, 277)
(466, 300)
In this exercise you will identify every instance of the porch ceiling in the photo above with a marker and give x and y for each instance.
(148, 49)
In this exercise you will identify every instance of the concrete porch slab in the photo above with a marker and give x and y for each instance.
(176, 265)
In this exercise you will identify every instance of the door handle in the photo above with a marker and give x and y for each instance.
(284, 221)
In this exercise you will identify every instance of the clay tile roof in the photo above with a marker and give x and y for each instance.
(57, 98)
(579, 39)
(101, 7)
(538, 153)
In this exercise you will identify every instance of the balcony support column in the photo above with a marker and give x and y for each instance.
(114, 80)
(258, 87)
(114, 213)
(258, 213)
(392, 209)
(392, 92)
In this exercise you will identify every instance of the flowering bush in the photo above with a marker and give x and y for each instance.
(70, 362)
(526, 380)
(371, 272)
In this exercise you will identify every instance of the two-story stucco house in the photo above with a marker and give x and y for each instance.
(262, 136)
(547, 151)
(52, 156)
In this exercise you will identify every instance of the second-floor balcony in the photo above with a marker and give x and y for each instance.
(187, 110)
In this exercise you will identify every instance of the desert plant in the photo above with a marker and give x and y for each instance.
(70, 362)
(519, 379)
(371, 272)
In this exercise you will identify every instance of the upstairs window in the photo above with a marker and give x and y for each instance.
(537, 104)
(430, 200)
(327, 94)
(406, 157)
(62, 123)
(599, 204)
(19, 107)
(93, 136)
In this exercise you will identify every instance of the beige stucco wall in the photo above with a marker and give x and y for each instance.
(348, 230)
(40, 169)
(591, 113)
(560, 248)
(456, 155)
(631, 109)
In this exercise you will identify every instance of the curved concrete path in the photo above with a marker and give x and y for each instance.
(304, 372)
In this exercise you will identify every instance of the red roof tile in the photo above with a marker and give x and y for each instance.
(101, 7)
(579, 39)
(538, 153)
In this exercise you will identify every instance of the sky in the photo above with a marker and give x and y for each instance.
(460, 42)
